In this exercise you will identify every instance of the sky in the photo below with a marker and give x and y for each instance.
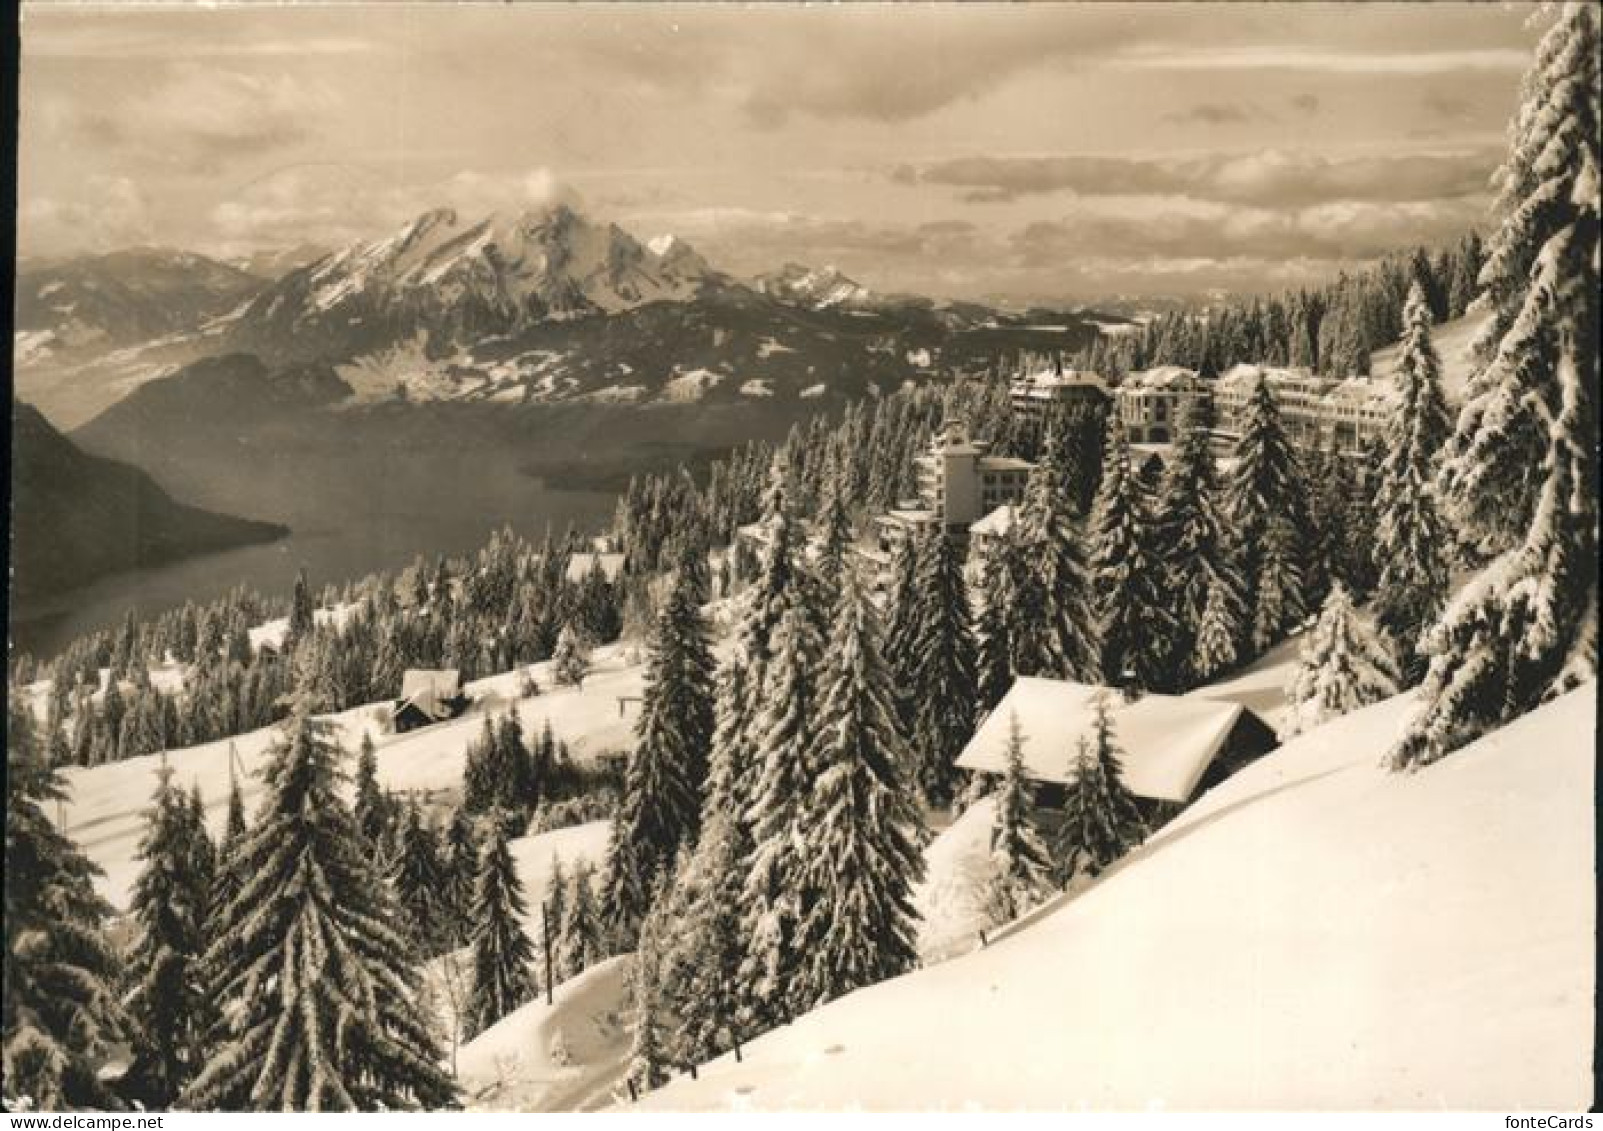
(1007, 152)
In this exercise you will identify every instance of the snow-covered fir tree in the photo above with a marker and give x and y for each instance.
(1021, 866)
(1268, 514)
(459, 872)
(552, 916)
(1057, 631)
(1410, 537)
(1101, 820)
(1135, 626)
(773, 898)
(570, 663)
(310, 973)
(1213, 648)
(942, 698)
(998, 606)
(61, 1015)
(660, 809)
(706, 949)
(579, 937)
(503, 978)
(166, 1001)
(1343, 666)
(648, 1056)
(419, 879)
(862, 824)
(1520, 478)
(1200, 581)
(368, 804)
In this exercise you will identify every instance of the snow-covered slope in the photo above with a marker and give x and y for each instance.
(105, 809)
(1452, 341)
(559, 1057)
(1315, 932)
(816, 288)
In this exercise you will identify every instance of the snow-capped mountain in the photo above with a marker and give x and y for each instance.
(105, 301)
(815, 288)
(457, 279)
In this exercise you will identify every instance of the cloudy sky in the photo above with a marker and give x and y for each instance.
(1000, 151)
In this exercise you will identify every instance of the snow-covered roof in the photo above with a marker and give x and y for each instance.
(998, 522)
(1005, 463)
(1044, 381)
(1169, 378)
(580, 565)
(1167, 741)
(426, 689)
(1242, 375)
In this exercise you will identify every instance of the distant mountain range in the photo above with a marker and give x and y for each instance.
(530, 308)
(76, 517)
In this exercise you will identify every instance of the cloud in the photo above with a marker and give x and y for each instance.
(108, 213)
(1267, 177)
(335, 204)
(1306, 103)
(1144, 231)
(196, 117)
(1332, 60)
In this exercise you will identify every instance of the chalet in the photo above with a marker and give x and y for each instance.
(1173, 747)
(427, 697)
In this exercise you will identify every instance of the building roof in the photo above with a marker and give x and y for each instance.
(580, 565)
(1170, 378)
(904, 516)
(1005, 463)
(1167, 742)
(1044, 381)
(428, 690)
(998, 522)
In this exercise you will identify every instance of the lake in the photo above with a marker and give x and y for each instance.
(418, 499)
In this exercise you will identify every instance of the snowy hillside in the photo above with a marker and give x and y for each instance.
(1452, 341)
(105, 810)
(1315, 932)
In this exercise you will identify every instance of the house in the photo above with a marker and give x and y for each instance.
(428, 696)
(1174, 747)
(1151, 402)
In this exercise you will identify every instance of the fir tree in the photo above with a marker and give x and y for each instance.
(570, 663)
(419, 879)
(166, 1003)
(579, 937)
(647, 1067)
(773, 898)
(459, 867)
(1021, 867)
(1520, 475)
(1135, 626)
(1268, 512)
(1213, 649)
(994, 673)
(1056, 634)
(60, 1014)
(368, 806)
(942, 697)
(1410, 537)
(502, 977)
(707, 946)
(661, 804)
(1203, 588)
(863, 826)
(1342, 667)
(313, 981)
(1101, 820)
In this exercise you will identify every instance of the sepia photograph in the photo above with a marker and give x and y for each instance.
(873, 557)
